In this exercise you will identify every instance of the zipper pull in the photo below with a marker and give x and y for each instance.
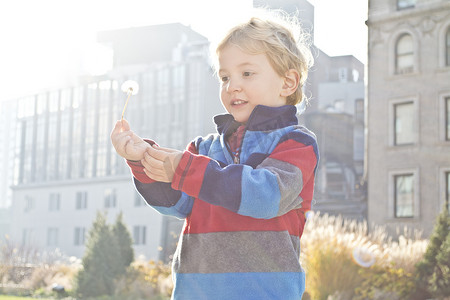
(236, 159)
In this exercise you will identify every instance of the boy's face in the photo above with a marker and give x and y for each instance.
(247, 80)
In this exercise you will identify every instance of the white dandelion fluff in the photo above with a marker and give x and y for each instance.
(131, 88)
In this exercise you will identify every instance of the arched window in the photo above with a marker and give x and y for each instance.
(447, 43)
(404, 54)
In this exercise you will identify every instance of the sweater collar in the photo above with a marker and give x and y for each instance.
(262, 118)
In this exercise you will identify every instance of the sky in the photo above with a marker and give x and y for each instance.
(46, 44)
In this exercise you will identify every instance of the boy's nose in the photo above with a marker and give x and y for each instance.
(233, 86)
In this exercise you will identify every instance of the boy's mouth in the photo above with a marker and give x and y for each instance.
(238, 102)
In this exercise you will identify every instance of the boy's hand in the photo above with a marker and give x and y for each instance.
(160, 163)
(127, 144)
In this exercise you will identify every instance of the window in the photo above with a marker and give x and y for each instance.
(343, 74)
(29, 204)
(447, 190)
(79, 236)
(404, 54)
(54, 202)
(27, 236)
(447, 42)
(52, 237)
(402, 4)
(110, 198)
(404, 196)
(359, 110)
(139, 235)
(447, 119)
(81, 200)
(403, 123)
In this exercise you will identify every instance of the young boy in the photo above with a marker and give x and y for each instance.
(242, 192)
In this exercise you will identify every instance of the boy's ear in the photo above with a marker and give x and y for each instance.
(291, 82)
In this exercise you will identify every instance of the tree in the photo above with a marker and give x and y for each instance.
(429, 270)
(124, 241)
(440, 280)
(105, 260)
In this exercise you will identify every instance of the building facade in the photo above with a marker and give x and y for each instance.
(7, 147)
(408, 110)
(336, 116)
(65, 168)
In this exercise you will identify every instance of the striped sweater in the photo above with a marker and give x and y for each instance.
(243, 221)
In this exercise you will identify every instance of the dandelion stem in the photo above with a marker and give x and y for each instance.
(130, 91)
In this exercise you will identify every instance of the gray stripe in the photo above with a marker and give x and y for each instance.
(290, 182)
(242, 251)
(296, 243)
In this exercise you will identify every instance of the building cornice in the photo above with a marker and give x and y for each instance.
(71, 182)
(430, 11)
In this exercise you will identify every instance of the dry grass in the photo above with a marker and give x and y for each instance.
(336, 250)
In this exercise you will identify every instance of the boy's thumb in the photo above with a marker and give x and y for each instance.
(125, 125)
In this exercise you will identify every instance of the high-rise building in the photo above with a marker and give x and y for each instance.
(408, 108)
(66, 169)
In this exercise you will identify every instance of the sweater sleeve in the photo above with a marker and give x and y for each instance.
(160, 195)
(282, 181)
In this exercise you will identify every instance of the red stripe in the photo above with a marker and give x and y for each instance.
(189, 174)
(298, 155)
(207, 218)
(191, 148)
(137, 169)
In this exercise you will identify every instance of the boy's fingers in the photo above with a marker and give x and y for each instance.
(155, 175)
(156, 153)
(165, 149)
(117, 137)
(125, 125)
(121, 145)
(151, 162)
(129, 146)
(116, 129)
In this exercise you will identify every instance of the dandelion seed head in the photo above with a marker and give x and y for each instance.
(130, 86)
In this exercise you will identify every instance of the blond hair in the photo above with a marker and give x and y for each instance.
(275, 39)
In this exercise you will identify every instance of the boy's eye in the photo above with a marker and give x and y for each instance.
(246, 74)
(224, 78)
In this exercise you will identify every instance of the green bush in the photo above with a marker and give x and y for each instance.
(385, 280)
(146, 280)
(433, 270)
(440, 279)
(104, 261)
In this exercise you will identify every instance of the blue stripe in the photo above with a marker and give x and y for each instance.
(222, 186)
(180, 210)
(260, 194)
(261, 142)
(255, 159)
(239, 286)
(203, 145)
(216, 151)
(158, 193)
(305, 137)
